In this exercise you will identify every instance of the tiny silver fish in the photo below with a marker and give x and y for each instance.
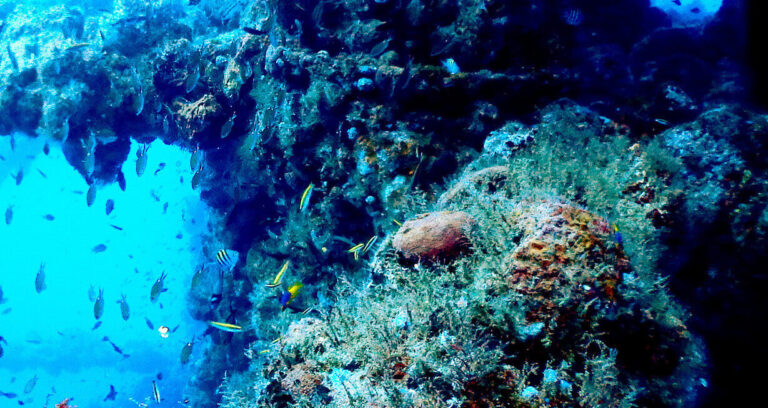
(226, 129)
(90, 197)
(40, 279)
(191, 82)
(125, 311)
(138, 102)
(98, 306)
(194, 160)
(141, 160)
(30, 385)
(196, 178)
(19, 176)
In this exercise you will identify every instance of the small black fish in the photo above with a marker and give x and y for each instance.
(96, 326)
(149, 324)
(99, 248)
(253, 31)
(41, 173)
(695, 10)
(19, 176)
(8, 395)
(114, 346)
(121, 180)
(110, 206)
(116, 227)
(159, 376)
(165, 207)
(46, 148)
(379, 48)
(14, 63)
(101, 34)
(112, 393)
(49, 217)
(159, 168)
(677, 2)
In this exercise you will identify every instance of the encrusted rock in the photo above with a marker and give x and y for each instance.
(569, 242)
(487, 180)
(504, 142)
(438, 235)
(301, 379)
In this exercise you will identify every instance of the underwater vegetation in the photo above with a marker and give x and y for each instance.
(424, 203)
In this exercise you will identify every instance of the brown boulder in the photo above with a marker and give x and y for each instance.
(439, 235)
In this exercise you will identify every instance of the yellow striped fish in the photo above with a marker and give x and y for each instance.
(370, 243)
(279, 277)
(227, 258)
(304, 202)
(355, 250)
(227, 327)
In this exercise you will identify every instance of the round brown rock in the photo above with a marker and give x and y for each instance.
(439, 235)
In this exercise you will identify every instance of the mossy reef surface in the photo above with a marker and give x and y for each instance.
(511, 204)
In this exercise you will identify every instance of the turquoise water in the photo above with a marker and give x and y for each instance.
(49, 334)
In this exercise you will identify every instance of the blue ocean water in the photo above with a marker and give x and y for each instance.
(49, 334)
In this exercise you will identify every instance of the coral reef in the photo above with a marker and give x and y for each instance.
(565, 156)
(548, 290)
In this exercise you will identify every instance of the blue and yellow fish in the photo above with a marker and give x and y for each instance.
(617, 235)
(287, 297)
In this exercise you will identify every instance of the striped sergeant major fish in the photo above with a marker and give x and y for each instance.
(227, 258)
(572, 17)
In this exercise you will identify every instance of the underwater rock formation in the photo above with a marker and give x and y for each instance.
(390, 109)
(547, 289)
(438, 235)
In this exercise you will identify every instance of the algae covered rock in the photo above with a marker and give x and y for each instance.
(438, 235)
